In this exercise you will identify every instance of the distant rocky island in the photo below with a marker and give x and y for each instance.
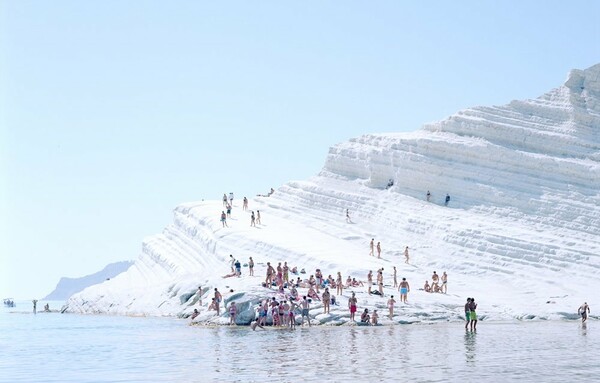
(69, 286)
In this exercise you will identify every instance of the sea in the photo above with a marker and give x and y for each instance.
(55, 347)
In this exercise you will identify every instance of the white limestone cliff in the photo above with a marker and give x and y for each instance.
(521, 232)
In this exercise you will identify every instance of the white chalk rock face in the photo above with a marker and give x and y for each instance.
(521, 231)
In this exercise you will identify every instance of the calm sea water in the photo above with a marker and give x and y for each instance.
(52, 347)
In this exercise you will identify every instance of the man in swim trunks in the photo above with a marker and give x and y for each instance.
(467, 313)
(286, 273)
(583, 310)
(262, 314)
(404, 290)
(270, 274)
(473, 314)
(305, 307)
(218, 299)
(352, 306)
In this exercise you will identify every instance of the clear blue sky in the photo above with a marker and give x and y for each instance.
(114, 112)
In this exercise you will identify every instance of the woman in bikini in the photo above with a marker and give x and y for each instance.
(339, 287)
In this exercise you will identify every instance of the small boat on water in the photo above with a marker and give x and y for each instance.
(9, 302)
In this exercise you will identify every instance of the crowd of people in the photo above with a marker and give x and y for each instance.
(285, 302)
(435, 286)
(288, 302)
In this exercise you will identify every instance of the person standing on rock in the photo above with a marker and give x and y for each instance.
(262, 315)
(251, 267)
(404, 290)
(258, 217)
(372, 247)
(391, 302)
(228, 211)
(238, 268)
(370, 280)
(378, 249)
(34, 306)
(231, 198)
(224, 200)
(395, 278)
(286, 273)
(286, 313)
(199, 293)
(352, 306)
(224, 219)
(292, 315)
(218, 299)
(252, 219)
(339, 285)
(232, 263)
(326, 300)
(583, 310)
(305, 307)
(428, 196)
(245, 205)
(447, 200)
(406, 255)
(444, 283)
(279, 275)
(270, 273)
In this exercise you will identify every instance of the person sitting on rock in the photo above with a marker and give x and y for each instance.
(293, 293)
(374, 318)
(313, 294)
(213, 305)
(365, 318)
(427, 288)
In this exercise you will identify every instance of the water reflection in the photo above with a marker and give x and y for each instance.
(126, 349)
(470, 346)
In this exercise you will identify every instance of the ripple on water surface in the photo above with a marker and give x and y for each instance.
(76, 348)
